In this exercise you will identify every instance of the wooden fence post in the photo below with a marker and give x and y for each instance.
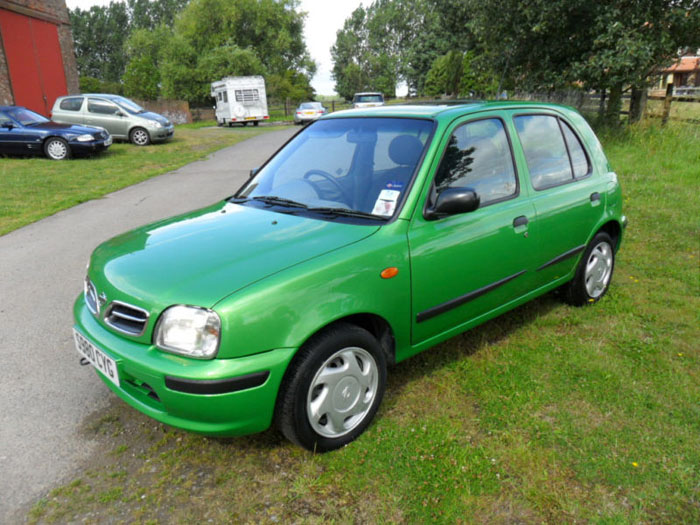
(667, 103)
(332, 106)
(286, 107)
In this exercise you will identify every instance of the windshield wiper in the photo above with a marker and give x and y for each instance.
(346, 212)
(279, 201)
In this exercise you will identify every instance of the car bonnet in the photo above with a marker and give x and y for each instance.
(201, 257)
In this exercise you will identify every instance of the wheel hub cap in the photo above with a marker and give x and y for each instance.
(342, 392)
(598, 269)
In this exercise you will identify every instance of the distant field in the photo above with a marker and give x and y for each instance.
(34, 188)
(548, 414)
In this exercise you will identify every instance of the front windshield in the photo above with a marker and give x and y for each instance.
(26, 117)
(129, 105)
(360, 164)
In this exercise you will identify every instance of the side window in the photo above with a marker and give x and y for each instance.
(71, 104)
(579, 160)
(101, 107)
(545, 151)
(225, 96)
(478, 156)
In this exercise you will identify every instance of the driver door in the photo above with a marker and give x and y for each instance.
(465, 266)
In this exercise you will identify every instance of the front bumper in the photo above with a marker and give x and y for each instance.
(218, 397)
(161, 134)
(82, 148)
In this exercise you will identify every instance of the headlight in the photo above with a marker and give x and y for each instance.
(84, 138)
(155, 124)
(188, 330)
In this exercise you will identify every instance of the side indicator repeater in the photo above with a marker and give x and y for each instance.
(388, 273)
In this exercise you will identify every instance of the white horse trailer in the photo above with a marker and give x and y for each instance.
(240, 99)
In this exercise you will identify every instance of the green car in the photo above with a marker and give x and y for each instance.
(370, 236)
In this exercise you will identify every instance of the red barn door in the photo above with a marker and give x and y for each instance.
(34, 60)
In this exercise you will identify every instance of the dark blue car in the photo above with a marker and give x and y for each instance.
(23, 132)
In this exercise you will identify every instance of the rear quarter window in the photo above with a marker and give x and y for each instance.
(71, 104)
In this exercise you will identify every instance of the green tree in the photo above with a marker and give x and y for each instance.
(142, 79)
(99, 33)
(98, 40)
(598, 44)
(212, 39)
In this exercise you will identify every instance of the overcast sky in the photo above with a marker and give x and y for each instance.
(324, 19)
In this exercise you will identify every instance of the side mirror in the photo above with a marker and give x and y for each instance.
(8, 124)
(120, 114)
(253, 172)
(453, 201)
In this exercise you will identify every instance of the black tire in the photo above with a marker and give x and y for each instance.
(230, 124)
(55, 148)
(256, 123)
(599, 255)
(245, 124)
(140, 137)
(362, 396)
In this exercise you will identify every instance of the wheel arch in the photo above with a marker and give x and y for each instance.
(375, 324)
(614, 229)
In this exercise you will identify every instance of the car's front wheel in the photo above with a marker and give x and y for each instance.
(56, 148)
(332, 389)
(594, 272)
(140, 137)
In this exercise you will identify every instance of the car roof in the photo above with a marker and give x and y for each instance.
(442, 110)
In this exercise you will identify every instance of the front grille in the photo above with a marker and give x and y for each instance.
(126, 318)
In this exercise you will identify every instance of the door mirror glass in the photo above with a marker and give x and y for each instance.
(453, 201)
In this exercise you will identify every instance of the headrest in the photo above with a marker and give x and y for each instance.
(405, 150)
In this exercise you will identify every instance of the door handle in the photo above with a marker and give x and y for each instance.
(595, 196)
(520, 221)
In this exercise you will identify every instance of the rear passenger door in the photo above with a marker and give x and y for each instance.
(567, 195)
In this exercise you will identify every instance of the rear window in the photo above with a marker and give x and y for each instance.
(369, 98)
(247, 95)
(71, 104)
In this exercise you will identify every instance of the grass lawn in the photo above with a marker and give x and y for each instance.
(547, 414)
(34, 188)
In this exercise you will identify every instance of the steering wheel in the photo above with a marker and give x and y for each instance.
(327, 176)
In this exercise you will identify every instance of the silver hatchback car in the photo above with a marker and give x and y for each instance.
(123, 118)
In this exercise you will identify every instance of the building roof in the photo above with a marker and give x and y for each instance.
(684, 65)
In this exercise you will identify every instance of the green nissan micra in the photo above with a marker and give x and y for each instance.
(368, 237)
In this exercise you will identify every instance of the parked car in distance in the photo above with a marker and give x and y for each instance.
(367, 100)
(308, 112)
(23, 132)
(123, 118)
(372, 235)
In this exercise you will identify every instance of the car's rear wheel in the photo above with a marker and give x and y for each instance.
(594, 272)
(255, 123)
(140, 137)
(56, 149)
(332, 389)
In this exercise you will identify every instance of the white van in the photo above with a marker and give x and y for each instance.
(240, 99)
